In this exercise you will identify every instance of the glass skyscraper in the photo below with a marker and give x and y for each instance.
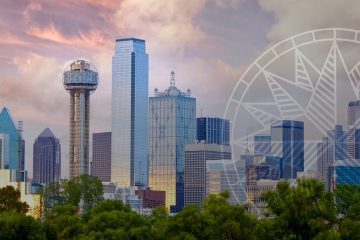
(213, 130)
(172, 124)
(129, 124)
(12, 145)
(354, 129)
(287, 143)
(46, 158)
(332, 148)
(343, 172)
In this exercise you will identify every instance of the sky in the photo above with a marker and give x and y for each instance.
(208, 43)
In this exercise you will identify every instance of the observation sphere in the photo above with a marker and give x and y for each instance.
(80, 75)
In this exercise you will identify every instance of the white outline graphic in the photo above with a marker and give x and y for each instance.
(321, 109)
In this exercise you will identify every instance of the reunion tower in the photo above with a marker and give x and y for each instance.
(80, 79)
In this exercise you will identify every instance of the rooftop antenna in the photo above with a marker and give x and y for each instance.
(201, 112)
(172, 79)
(247, 152)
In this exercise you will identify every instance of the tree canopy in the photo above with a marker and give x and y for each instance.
(10, 200)
(306, 211)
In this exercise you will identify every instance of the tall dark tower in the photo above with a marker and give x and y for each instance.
(46, 158)
(80, 78)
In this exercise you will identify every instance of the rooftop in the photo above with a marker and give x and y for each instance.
(172, 90)
(129, 39)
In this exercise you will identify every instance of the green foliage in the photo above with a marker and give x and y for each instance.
(71, 191)
(10, 200)
(65, 221)
(18, 226)
(227, 221)
(348, 200)
(302, 212)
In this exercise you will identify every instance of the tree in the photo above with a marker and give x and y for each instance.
(302, 212)
(348, 200)
(15, 225)
(190, 223)
(66, 222)
(10, 200)
(86, 187)
(113, 218)
(227, 221)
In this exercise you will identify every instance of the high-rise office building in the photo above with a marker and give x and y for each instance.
(12, 144)
(172, 124)
(213, 130)
(80, 78)
(196, 179)
(287, 143)
(262, 145)
(46, 158)
(354, 113)
(354, 130)
(101, 156)
(343, 172)
(129, 123)
(332, 148)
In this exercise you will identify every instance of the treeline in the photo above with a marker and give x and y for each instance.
(303, 212)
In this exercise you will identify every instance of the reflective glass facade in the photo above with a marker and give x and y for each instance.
(46, 158)
(287, 143)
(13, 145)
(333, 147)
(213, 130)
(172, 124)
(129, 125)
(343, 172)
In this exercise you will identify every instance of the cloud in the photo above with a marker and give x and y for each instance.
(92, 39)
(297, 16)
(35, 92)
(10, 39)
(167, 25)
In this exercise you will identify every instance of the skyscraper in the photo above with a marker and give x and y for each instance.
(332, 148)
(12, 144)
(343, 172)
(46, 158)
(196, 174)
(80, 78)
(129, 123)
(101, 156)
(213, 130)
(262, 145)
(172, 124)
(354, 113)
(354, 129)
(287, 143)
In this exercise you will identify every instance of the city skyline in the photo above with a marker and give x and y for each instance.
(40, 40)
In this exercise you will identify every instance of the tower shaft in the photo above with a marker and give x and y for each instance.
(79, 132)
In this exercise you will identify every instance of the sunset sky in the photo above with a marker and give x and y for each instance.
(207, 43)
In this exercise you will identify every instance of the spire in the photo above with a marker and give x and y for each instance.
(172, 79)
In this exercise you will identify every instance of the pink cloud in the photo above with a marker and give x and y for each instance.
(8, 38)
(91, 39)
